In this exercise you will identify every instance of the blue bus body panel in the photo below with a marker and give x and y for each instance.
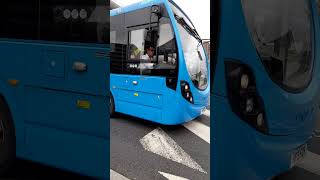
(151, 99)
(238, 148)
(60, 114)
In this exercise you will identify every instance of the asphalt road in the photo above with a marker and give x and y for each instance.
(183, 153)
(144, 150)
(130, 160)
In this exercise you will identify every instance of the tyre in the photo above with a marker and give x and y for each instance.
(112, 106)
(7, 139)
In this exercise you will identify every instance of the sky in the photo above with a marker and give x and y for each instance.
(197, 10)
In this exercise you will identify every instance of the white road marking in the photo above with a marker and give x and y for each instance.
(199, 129)
(311, 163)
(160, 143)
(116, 176)
(171, 176)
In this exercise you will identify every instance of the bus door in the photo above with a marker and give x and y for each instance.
(66, 97)
(144, 83)
(145, 91)
(265, 85)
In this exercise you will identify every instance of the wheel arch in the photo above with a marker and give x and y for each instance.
(16, 116)
(114, 100)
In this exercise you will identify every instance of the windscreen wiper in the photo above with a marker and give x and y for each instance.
(190, 30)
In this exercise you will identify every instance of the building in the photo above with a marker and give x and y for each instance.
(113, 5)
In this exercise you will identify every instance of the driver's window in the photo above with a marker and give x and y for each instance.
(137, 43)
(142, 54)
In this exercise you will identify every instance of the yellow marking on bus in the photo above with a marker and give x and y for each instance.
(83, 104)
(136, 94)
(13, 82)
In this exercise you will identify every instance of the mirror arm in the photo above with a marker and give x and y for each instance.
(150, 19)
(158, 36)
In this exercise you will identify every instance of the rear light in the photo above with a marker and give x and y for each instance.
(243, 95)
(186, 91)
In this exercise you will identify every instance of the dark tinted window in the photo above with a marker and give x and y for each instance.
(318, 5)
(118, 43)
(19, 19)
(84, 21)
(74, 21)
(282, 33)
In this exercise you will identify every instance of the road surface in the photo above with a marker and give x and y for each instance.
(143, 150)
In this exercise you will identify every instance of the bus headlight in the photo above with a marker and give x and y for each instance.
(186, 91)
(249, 105)
(243, 95)
(244, 81)
(260, 120)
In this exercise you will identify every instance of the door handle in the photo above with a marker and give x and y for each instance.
(135, 82)
(79, 67)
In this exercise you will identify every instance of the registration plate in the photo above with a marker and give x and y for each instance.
(298, 155)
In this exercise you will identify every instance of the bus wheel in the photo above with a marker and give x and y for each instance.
(112, 106)
(7, 139)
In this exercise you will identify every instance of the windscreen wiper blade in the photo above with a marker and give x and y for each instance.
(192, 31)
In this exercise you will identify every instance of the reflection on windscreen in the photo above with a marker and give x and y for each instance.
(282, 34)
(166, 53)
(193, 51)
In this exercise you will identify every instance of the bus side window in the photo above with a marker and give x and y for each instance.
(118, 41)
(16, 14)
(69, 21)
(318, 3)
(116, 53)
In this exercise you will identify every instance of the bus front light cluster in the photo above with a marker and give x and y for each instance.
(243, 95)
(186, 91)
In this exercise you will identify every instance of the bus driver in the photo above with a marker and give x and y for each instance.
(147, 59)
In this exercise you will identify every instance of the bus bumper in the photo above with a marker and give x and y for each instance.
(181, 111)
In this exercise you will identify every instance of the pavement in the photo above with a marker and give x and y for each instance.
(144, 150)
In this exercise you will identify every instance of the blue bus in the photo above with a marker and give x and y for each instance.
(159, 68)
(54, 84)
(265, 77)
